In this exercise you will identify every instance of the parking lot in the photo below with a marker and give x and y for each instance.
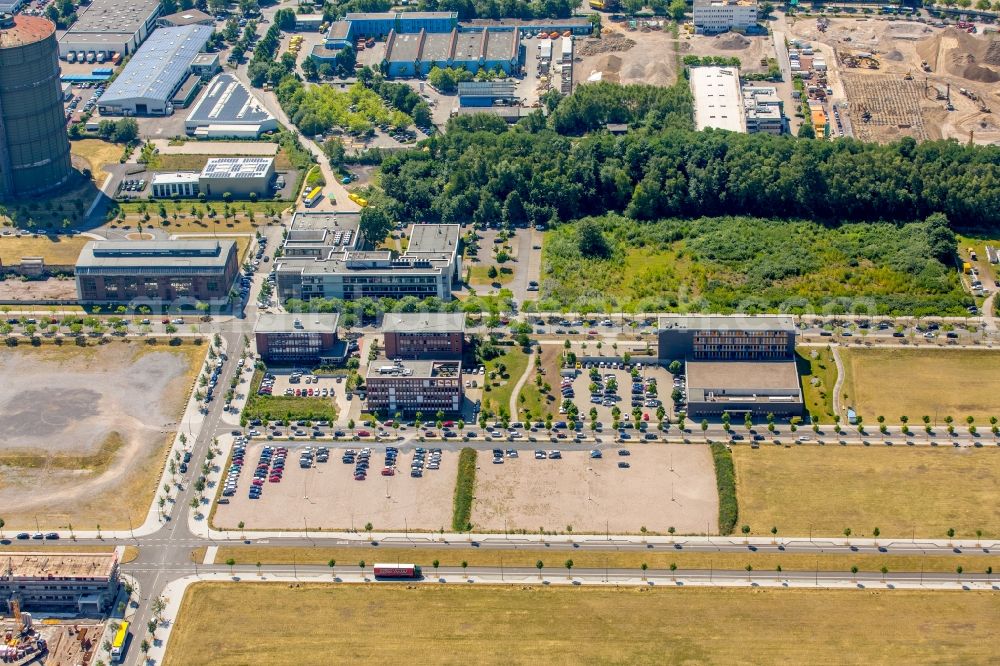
(654, 385)
(662, 487)
(326, 495)
(294, 383)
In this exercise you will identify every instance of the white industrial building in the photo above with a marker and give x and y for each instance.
(239, 176)
(718, 100)
(182, 185)
(227, 109)
(765, 112)
(110, 26)
(155, 73)
(713, 16)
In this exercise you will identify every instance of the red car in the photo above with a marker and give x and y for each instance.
(388, 471)
(275, 479)
(165, 320)
(359, 477)
(364, 433)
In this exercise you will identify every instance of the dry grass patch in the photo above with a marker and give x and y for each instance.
(589, 559)
(914, 383)
(56, 250)
(327, 624)
(97, 153)
(901, 491)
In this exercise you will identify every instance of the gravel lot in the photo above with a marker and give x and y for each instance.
(327, 496)
(61, 405)
(595, 495)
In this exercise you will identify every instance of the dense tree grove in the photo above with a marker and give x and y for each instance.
(661, 168)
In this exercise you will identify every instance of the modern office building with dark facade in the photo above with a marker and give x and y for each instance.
(734, 365)
(429, 335)
(414, 386)
(156, 271)
(717, 338)
(299, 339)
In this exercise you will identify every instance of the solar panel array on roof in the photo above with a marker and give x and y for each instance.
(159, 66)
(237, 167)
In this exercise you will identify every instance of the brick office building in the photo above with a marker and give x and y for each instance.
(414, 386)
(296, 339)
(124, 271)
(430, 335)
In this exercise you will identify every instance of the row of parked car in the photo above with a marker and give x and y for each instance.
(308, 457)
(271, 465)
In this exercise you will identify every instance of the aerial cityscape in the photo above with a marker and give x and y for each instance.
(603, 331)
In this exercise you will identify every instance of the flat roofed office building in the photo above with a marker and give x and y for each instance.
(734, 364)
(321, 262)
(84, 583)
(719, 338)
(156, 271)
(739, 387)
(414, 386)
(308, 338)
(712, 16)
(239, 176)
(430, 335)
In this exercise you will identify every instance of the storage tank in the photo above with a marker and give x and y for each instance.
(34, 148)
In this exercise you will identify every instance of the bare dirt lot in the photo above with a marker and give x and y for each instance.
(327, 496)
(594, 495)
(913, 107)
(82, 430)
(623, 56)
(51, 289)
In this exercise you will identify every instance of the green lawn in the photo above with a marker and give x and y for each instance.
(276, 407)
(497, 398)
(818, 376)
(532, 399)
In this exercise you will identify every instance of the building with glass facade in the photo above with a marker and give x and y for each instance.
(414, 386)
(299, 339)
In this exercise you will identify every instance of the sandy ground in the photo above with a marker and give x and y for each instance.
(327, 496)
(595, 495)
(748, 49)
(650, 60)
(954, 57)
(51, 289)
(60, 406)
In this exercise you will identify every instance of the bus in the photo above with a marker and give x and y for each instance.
(313, 197)
(118, 644)
(396, 571)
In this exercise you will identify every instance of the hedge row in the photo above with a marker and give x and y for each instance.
(725, 479)
(465, 486)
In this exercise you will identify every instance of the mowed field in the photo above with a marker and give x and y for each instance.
(389, 624)
(901, 491)
(915, 383)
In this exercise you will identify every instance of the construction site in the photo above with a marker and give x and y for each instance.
(907, 78)
(646, 51)
(59, 642)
